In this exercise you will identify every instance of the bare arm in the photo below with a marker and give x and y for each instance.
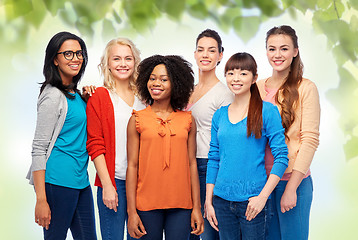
(210, 212)
(197, 222)
(42, 209)
(110, 196)
(135, 225)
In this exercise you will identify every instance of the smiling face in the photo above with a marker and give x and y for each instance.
(239, 81)
(280, 52)
(207, 54)
(121, 62)
(68, 68)
(159, 85)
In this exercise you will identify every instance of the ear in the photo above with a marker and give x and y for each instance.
(254, 79)
(221, 56)
(296, 52)
(55, 62)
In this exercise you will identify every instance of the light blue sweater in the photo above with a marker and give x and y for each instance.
(236, 162)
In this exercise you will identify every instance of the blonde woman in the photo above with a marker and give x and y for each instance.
(108, 112)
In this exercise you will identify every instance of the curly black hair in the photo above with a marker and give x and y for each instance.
(180, 74)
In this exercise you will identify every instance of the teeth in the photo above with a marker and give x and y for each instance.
(156, 91)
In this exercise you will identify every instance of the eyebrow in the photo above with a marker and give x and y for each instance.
(209, 47)
(285, 45)
(159, 75)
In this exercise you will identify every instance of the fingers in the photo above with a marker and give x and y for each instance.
(213, 222)
(251, 212)
(43, 221)
(286, 208)
(140, 231)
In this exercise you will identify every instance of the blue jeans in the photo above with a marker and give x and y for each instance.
(175, 222)
(293, 224)
(112, 223)
(70, 209)
(209, 232)
(232, 222)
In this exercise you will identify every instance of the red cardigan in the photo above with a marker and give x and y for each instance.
(100, 130)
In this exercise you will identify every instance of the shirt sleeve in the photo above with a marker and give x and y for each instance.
(48, 114)
(276, 139)
(214, 155)
(95, 138)
(309, 132)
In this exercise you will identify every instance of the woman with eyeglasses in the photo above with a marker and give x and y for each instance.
(59, 156)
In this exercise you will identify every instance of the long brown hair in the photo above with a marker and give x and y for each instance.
(245, 61)
(289, 90)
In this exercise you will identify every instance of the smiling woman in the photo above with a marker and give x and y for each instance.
(59, 157)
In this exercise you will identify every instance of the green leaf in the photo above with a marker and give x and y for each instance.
(17, 8)
(246, 27)
(116, 16)
(354, 3)
(54, 6)
(108, 29)
(36, 16)
(350, 148)
(199, 11)
(324, 4)
(172, 8)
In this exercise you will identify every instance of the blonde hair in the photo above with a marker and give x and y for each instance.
(108, 80)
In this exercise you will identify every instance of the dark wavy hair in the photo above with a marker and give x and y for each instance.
(289, 88)
(211, 34)
(180, 74)
(245, 61)
(50, 71)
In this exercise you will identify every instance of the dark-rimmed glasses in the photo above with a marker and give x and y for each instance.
(70, 54)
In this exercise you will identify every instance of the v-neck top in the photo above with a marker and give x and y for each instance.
(163, 168)
(203, 111)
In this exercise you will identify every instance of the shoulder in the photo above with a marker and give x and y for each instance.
(220, 86)
(101, 94)
(261, 86)
(307, 84)
(51, 93)
(268, 108)
(221, 110)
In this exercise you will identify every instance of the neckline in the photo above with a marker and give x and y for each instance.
(228, 118)
(158, 117)
(193, 104)
(115, 95)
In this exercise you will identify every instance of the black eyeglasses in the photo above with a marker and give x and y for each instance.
(70, 54)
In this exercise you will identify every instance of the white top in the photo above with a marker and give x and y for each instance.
(122, 113)
(203, 111)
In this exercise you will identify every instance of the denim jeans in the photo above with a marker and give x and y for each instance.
(232, 222)
(111, 222)
(293, 224)
(70, 209)
(209, 232)
(175, 223)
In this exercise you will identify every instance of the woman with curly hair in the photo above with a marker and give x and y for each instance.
(162, 178)
(108, 112)
(298, 101)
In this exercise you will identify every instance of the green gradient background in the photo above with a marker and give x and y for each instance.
(335, 205)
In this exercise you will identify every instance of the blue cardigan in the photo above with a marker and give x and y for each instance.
(236, 162)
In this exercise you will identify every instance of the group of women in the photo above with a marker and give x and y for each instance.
(172, 156)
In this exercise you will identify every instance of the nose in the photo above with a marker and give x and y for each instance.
(157, 82)
(278, 54)
(122, 62)
(205, 53)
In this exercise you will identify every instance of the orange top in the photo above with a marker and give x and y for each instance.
(163, 167)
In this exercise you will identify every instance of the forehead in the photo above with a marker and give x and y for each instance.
(207, 42)
(70, 44)
(120, 50)
(279, 40)
(160, 69)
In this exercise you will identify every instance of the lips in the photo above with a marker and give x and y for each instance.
(156, 91)
(74, 66)
(237, 86)
(205, 62)
(278, 62)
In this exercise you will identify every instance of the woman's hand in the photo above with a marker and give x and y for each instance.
(197, 222)
(110, 197)
(255, 206)
(135, 226)
(288, 200)
(87, 91)
(210, 216)
(42, 214)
